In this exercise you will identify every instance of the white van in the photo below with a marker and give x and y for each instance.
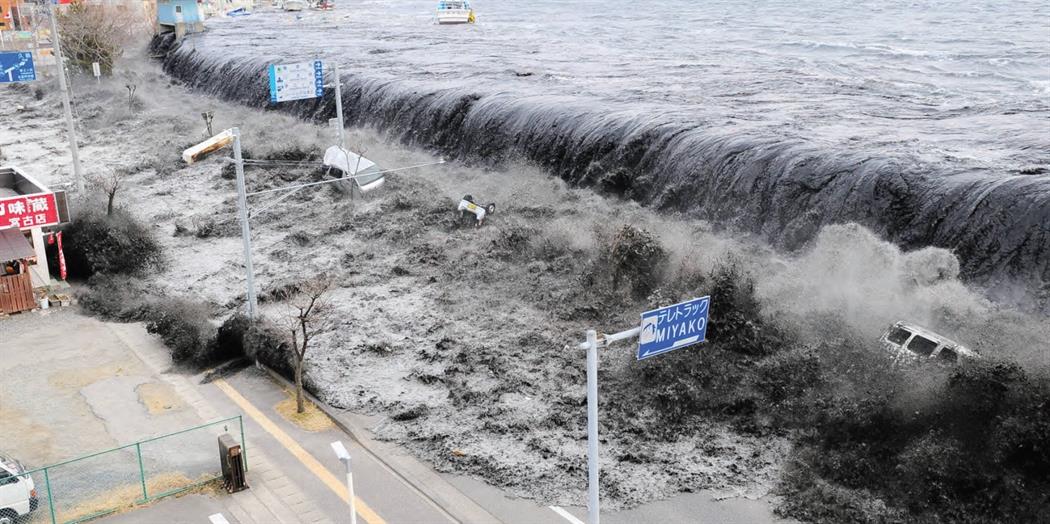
(17, 492)
(915, 342)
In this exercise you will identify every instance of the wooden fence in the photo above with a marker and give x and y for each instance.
(16, 293)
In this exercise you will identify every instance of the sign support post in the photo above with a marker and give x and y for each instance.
(70, 130)
(592, 427)
(242, 212)
(338, 101)
(661, 330)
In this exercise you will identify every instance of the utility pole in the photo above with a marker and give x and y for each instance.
(242, 212)
(339, 102)
(66, 105)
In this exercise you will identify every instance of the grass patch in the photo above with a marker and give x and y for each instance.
(78, 378)
(312, 419)
(128, 496)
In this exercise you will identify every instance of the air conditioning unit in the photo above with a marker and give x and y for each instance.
(232, 464)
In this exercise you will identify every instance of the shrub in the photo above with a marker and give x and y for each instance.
(117, 244)
(636, 259)
(728, 377)
(114, 297)
(972, 449)
(185, 328)
(260, 341)
(736, 315)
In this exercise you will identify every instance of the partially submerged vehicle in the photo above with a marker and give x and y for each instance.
(17, 492)
(367, 176)
(913, 342)
(467, 205)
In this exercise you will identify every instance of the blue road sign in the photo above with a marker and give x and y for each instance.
(16, 67)
(673, 327)
(296, 81)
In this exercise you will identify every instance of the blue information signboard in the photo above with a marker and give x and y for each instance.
(296, 81)
(16, 67)
(673, 327)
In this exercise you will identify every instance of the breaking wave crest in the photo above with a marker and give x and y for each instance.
(784, 188)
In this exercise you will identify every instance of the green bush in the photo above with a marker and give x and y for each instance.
(973, 449)
(637, 259)
(747, 366)
(185, 328)
(114, 297)
(95, 243)
(260, 341)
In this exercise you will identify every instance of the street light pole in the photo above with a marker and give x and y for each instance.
(344, 457)
(242, 212)
(71, 132)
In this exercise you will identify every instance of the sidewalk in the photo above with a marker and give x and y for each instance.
(272, 498)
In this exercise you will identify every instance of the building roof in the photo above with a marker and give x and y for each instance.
(14, 246)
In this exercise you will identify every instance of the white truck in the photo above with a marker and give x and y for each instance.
(17, 492)
(911, 342)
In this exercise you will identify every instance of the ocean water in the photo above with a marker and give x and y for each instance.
(927, 122)
(953, 80)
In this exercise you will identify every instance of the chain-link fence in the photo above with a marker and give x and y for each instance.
(108, 481)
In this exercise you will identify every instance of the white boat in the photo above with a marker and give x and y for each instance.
(455, 12)
(293, 5)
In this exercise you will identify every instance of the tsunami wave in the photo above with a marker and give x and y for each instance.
(783, 188)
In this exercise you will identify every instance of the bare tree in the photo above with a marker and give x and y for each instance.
(308, 305)
(208, 116)
(95, 33)
(109, 184)
(131, 95)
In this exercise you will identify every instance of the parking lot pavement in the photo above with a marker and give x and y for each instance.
(73, 385)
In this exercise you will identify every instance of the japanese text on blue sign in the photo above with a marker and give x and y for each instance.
(673, 327)
(17, 67)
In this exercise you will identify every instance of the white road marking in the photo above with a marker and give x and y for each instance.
(565, 514)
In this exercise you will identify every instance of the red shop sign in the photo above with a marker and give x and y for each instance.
(26, 211)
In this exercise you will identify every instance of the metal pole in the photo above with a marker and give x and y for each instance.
(142, 472)
(339, 102)
(350, 488)
(244, 444)
(71, 132)
(592, 427)
(50, 498)
(242, 211)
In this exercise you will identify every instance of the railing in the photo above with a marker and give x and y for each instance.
(120, 478)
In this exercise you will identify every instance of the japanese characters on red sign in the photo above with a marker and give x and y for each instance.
(29, 211)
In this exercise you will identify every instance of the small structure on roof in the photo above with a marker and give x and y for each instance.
(180, 17)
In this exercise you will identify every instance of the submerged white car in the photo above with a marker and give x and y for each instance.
(17, 492)
(915, 342)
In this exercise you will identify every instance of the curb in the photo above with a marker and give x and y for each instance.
(454, 503)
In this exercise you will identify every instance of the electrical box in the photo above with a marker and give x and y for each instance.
(232, 464)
